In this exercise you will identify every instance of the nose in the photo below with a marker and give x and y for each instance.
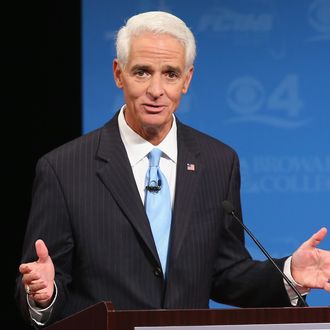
(155, 88)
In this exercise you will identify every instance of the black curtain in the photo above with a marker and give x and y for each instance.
(42, 109)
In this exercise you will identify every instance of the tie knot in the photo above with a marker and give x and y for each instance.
(154, 157)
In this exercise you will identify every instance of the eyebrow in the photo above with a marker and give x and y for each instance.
(148, 68)
(173, 68)
(140, 67)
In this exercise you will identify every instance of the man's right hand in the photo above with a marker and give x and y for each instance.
(38, 276)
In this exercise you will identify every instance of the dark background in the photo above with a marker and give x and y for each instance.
(43, 110)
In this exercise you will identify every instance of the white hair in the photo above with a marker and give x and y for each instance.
(157, 22)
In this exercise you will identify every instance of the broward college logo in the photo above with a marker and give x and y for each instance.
(285, 174)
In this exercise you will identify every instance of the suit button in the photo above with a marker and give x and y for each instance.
(158, 272)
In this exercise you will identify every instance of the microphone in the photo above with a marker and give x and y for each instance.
(156, 187)
(229, 208)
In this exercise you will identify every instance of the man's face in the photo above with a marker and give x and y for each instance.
(153, 81)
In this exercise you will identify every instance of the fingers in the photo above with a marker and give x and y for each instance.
(40, 293)
(24, 269)
(43, 298)
(317, 238)
(35, 287)
(30, 277)
(42, 251)
(327, 286)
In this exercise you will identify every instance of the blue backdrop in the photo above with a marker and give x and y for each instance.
(261, 84)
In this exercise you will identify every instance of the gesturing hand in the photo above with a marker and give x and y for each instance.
(38, 276)
(310, 266)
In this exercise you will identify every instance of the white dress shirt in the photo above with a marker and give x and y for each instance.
(138, 148)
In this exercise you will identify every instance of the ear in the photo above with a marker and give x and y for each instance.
(117, 73)
(187, 80)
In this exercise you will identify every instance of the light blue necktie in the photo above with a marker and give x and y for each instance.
(158, 205)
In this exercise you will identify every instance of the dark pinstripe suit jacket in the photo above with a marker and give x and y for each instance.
(87, 208)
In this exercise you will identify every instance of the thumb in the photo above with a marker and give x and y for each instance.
(42, 251)
(317, 238)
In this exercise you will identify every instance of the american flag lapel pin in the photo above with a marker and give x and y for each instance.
(191, 167)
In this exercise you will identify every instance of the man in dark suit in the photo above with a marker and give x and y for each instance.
(88, 236)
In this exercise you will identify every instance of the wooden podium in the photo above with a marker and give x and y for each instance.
(103, 316)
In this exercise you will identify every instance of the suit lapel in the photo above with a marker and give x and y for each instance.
(118, 177)
(188, 174)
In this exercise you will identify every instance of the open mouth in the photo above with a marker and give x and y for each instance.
(153, 108)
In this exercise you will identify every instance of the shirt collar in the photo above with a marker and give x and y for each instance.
(137, 147)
